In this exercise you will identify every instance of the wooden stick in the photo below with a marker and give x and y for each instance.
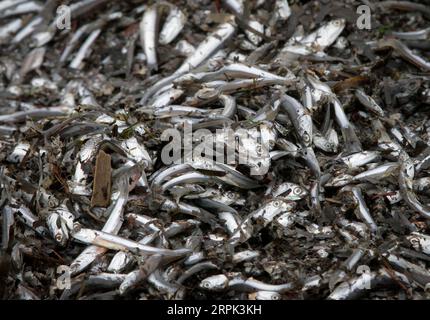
(102, 185)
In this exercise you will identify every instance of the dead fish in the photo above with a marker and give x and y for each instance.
(222, 282)
(173, 25)
(206, 49)
(32, 61)
(405, 53)
(315, 42)
(406, 175)
(301, 119)
(148, 35)
(369, 103)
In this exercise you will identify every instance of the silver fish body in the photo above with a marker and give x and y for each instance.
(173, 25)
(148, 36)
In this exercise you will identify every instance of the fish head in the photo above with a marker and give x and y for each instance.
(214, 283)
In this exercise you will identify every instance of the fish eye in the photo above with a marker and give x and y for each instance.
(58, 237)
(297, 190)
(306, 137)
(51, 202)
(276, 204)
(415, 241)
(76, 227)
(206, 284)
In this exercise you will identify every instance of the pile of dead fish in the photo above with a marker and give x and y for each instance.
(89, 209)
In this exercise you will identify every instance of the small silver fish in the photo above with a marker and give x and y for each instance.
(148, 31)
(173, 25)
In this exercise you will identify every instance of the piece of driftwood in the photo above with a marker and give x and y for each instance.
(102, 180)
